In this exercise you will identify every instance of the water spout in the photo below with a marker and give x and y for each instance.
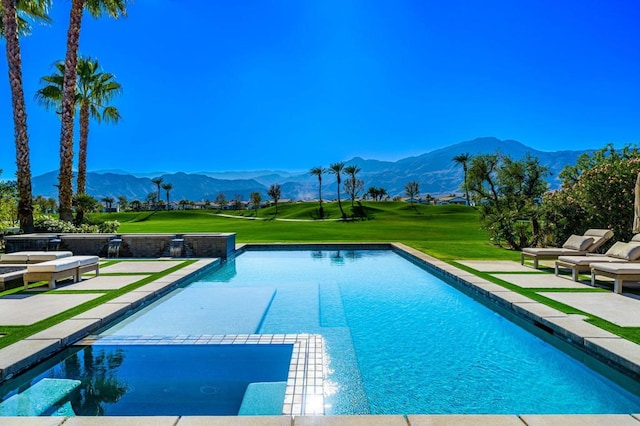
(175, 247)
(114, 247)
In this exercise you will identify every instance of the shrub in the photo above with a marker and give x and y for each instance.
(47, 223)
(596, 193)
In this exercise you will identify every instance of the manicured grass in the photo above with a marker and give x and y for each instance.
(448, 232)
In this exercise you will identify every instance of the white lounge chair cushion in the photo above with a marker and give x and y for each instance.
(578, 242)
(48, 255)
(600, 236)
(618, 268)
(625, 251)
(54, 265)
(86, 260)
(587, 260)
(18, 257)
(552, 251)
(34, 256)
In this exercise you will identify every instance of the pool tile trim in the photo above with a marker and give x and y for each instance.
(304, 393)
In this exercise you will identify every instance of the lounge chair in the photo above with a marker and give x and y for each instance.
(54, 270)
(20, 257)
(620, 272)
(576, 245)
(619, 252)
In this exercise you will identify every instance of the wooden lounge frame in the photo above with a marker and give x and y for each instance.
(55, 270)
(619, 276)
(600, 236)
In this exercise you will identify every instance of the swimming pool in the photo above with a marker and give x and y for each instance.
(397, 338)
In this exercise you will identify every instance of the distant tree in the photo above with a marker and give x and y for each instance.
(510, 193)
(352, 184)
(221, 200)
(412, 190)
(236, 202)
(274, 192)
(463, 160)
(136, 205)
(376, 194)
(8, 204)
(319, 171)
(429, 199)
(108, 203)
(184, 203)
(123, 202)
(158, 182)
(85, 203)
(336, 169)
(167, 187)
(45, 205)
(256, 200)
(151, 200)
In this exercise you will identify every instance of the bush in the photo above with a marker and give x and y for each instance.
(596, 193)
(47, 223)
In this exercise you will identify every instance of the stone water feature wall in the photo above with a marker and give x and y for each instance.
(219, 245)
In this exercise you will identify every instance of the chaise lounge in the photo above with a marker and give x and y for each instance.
(620, 252)
(57, 269)
(620, 272)
(576, 245)
(22, 257)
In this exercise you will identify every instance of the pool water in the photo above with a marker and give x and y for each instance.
(152, 380)
(399, 340)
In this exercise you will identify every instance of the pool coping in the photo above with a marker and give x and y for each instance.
(617, 352)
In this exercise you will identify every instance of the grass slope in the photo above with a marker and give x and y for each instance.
(448, 232)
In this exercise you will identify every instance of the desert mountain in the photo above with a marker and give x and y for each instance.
(434, 170)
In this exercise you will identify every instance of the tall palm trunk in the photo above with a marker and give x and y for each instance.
(339, 202)
(466, 187)
(65, 176)
(82, 152)
(25, 202)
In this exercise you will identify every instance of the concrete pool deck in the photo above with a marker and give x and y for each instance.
(30, 350)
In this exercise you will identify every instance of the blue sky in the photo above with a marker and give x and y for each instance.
(291, 84)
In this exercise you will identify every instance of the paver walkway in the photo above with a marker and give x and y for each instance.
(139, 266)
(25, 309)
(541, 281)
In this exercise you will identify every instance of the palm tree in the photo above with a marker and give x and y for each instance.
(94, 88)
(13, 25)
(463, 160)
(157, 181)
(167, 187)
(352, 171)
(114, 8)
(336, 169)
(318, 171)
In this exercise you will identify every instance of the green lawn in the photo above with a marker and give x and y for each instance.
(448, 232)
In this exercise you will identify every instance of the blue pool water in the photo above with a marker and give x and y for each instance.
(152, 380)
(399, 339)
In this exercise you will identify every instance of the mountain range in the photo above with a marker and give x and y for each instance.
(435, 171)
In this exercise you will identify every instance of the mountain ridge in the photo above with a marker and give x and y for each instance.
(435, 171)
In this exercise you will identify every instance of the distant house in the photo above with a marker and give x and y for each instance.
(452, 199)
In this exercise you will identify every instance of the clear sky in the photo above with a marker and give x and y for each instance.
(291, 84)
